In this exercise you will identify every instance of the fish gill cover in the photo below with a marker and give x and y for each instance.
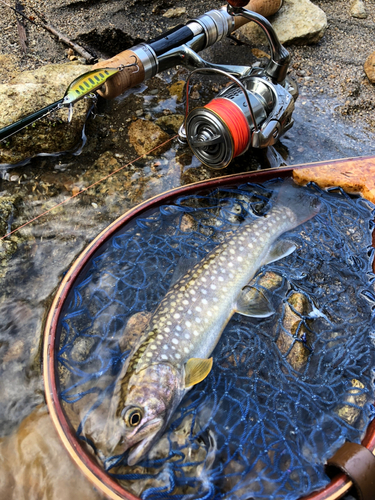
(285, 391)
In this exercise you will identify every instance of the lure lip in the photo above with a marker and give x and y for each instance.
(85, 461)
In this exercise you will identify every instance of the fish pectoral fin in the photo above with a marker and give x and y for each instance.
(254, 303)
(196, 370)
(279, 250)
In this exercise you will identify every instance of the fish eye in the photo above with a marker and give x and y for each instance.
(133, 417)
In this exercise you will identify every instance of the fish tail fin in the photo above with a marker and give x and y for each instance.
(298, 200)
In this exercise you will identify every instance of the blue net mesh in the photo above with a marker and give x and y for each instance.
(285, 391)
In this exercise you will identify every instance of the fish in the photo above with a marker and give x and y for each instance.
(174, 352)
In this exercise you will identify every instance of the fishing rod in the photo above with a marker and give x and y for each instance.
(253, 111)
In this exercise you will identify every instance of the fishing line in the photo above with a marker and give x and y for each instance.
(235, 120)
(86, 188)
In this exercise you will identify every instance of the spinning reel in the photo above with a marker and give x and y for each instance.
(255, 110)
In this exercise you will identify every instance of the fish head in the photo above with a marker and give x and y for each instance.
(143, 413)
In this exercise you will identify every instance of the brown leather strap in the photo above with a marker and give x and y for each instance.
(358, 463)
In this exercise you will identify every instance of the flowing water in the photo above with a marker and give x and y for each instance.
(35, 258)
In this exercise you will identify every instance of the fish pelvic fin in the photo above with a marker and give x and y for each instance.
(279, 250)
(253, 303)
(196, 370)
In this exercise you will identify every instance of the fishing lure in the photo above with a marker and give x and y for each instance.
(79, 88)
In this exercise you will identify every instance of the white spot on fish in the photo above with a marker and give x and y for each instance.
(240, 259)
(213, 287)
(241, 249)
(185, 302)
(176, 316)
(166, 329)
(160, 337)
(178, 328)
(192, 291)
(175, 341)
(197, 320)
(232, 251)
(204, 301)
(250, 245)
(198, 309)
(165, 346)
(186, 350)
(221, 278)
(164, 356)
(154, 347)
(177, 355)
(196, 333)
(188, 324)
(204, 291)
(149, 354)
(187, 336)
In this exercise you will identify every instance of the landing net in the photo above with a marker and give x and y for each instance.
(285, 392)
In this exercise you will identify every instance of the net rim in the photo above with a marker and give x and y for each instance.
(90, 468)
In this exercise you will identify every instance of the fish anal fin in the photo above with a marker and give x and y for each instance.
(196, 370)
(279, 250)
(253, 303)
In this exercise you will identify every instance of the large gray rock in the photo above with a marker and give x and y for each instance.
(297, 22)
(26, 93)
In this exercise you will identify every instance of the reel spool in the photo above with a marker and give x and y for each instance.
(251, 112)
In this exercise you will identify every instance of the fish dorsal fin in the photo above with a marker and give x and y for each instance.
(184, 265)
(279, 250)
(254, 303)
(196, 370)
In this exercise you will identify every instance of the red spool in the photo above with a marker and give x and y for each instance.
(235, 121)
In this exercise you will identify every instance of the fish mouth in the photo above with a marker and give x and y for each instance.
(140, 448)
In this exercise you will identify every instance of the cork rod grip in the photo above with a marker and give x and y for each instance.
(125, 79)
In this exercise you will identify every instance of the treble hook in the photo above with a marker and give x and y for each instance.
(122, 66)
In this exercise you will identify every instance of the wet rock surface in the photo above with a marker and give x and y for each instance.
(30, 91)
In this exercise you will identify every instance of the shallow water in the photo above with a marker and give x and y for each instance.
(34, 259)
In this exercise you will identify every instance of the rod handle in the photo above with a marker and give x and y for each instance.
(125, 79)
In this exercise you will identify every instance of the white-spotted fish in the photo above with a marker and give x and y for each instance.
(174, 352)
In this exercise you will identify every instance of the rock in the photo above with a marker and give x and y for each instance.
(33, 461)
(369, 67)
(294, 337)
(144, 136)
(177, 12)
(177, 89)
(355, 401)
(354, 176)
(29, 91)
(172, 122)
(298, 22)
(358, 10)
